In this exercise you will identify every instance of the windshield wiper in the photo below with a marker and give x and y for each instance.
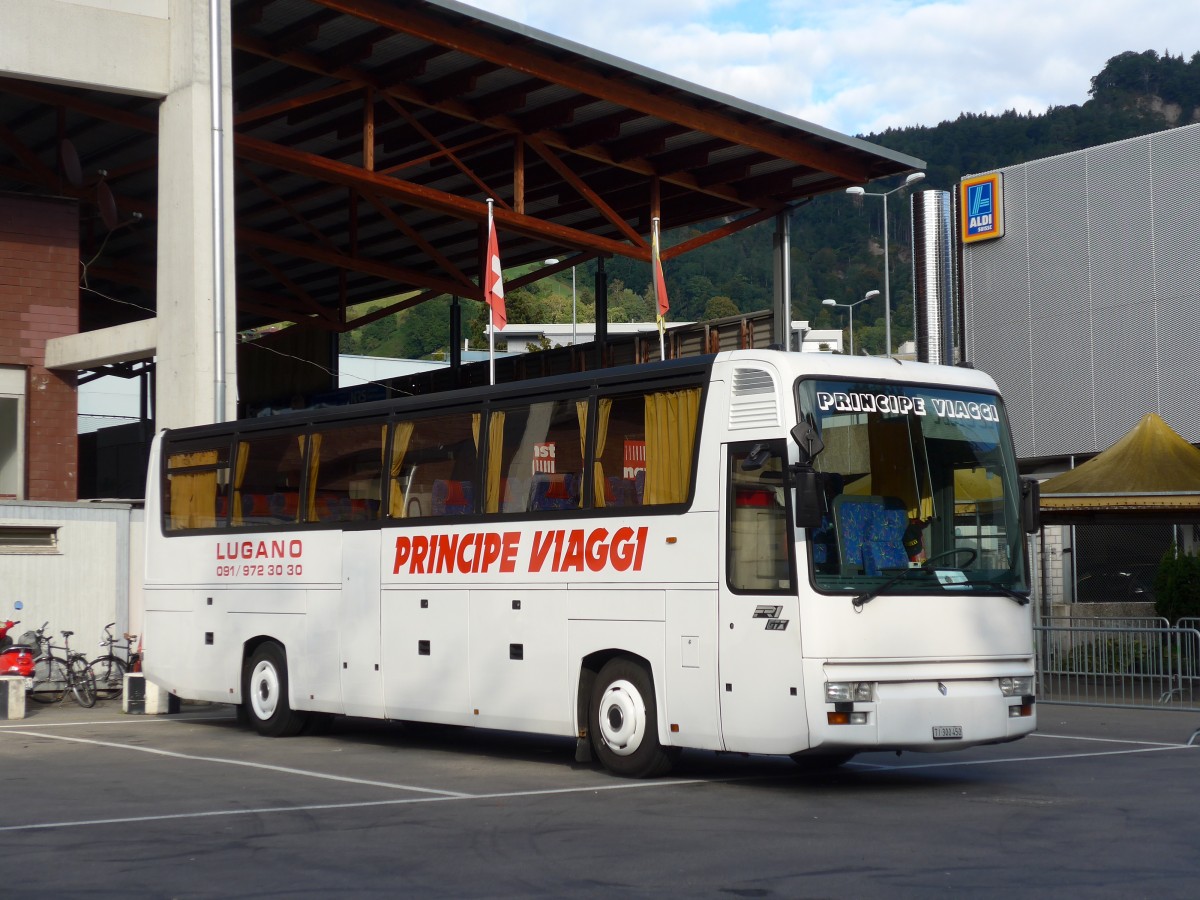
(1019, 599)
(868, 596)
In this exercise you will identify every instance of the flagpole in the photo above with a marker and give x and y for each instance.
(491, 308)
(658, 300)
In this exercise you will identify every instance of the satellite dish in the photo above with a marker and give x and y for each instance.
(68, 161)
(108, 205)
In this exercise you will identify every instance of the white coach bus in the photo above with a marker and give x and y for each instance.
(758, 551)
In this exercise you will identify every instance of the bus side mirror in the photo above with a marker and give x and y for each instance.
(1031, 505)
(808, 440)
(810, 498)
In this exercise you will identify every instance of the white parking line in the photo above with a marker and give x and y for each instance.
(133, 820)
(1156, 748)
(241, 762)
(1104, 740)
(433, 795)
(140, 720)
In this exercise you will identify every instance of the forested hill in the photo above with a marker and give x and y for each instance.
(836, 239)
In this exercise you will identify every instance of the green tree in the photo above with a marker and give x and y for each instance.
(1177, 585)
(719, 308)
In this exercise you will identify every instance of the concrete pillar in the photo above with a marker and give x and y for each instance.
(187, 384)
(12, 697)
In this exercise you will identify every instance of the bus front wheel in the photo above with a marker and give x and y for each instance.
(623, 722)
(265, 693)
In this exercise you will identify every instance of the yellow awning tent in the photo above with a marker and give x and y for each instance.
(1150, 473)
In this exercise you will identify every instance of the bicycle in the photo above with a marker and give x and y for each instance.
(109, 669)
(54, 675)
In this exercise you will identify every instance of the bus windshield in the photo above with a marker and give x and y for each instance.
(921, 493)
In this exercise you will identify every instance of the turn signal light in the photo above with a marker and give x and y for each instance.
(846, 718)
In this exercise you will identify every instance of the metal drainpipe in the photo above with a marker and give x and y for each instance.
(215, 86)
(782, 265)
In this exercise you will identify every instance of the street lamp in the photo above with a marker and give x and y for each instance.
(887, 291)
(850, 306)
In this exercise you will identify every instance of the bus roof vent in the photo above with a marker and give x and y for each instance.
(754, 403)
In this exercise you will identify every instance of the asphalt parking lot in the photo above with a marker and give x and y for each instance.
(1099, 803)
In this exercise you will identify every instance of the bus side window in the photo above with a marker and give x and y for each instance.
(196, 489)
(344, 467)
(535, 457)
(645, 447)
(268, 472)
(431, 466)
(759, 548)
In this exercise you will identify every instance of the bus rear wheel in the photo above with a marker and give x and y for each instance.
(623, 722)
(265, 693)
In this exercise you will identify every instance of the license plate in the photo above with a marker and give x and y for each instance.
(947, 732)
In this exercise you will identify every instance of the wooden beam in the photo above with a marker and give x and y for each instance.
(335, 172)
(566, 174)
(586, 81)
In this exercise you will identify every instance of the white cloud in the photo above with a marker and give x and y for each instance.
(864, 65)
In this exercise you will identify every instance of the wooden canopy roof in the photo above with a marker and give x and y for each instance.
(370, 134)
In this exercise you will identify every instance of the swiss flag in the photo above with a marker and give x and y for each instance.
(493, 279)
(660, 283)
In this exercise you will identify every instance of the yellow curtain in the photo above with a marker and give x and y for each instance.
(401, 437)
(670, 440)
(314, 464)
(495, 459)
(893, 470)
(193, 494)
(604, 410)
(581, 411)
(239, 476)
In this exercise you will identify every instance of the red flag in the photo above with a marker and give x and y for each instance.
(493, 278)
(660, 283)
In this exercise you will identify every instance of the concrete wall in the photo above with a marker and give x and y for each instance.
(87, 43)
(93, 576)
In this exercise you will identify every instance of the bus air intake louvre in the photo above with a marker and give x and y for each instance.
(933, 276)
(753, 403)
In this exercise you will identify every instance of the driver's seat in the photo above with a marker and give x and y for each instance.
(870, 532)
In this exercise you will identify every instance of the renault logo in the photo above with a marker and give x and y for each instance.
(942, 688)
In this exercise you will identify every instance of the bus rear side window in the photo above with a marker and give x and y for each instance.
(196, 489)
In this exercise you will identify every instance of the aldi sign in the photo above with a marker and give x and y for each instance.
(981, 208)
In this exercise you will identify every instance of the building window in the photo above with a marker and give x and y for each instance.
(20, 539)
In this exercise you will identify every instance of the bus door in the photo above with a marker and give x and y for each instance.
(759, 658)
(361, 666)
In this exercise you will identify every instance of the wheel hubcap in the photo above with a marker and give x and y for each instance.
(264, 691)
(622, 718)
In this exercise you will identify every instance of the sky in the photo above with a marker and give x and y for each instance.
(861, 66)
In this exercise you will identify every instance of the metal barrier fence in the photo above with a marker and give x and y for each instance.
(1148, 666)
(1111, 621)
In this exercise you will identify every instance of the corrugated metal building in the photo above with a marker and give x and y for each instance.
(1086, 311)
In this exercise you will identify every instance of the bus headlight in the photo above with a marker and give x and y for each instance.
(1016, 687)
(849, 691)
